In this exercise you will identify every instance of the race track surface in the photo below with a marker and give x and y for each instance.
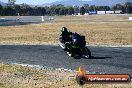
(104, 59)
(25, 20)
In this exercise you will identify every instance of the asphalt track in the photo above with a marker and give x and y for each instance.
(25, 20)
(116, 60)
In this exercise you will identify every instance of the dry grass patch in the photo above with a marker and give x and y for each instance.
(28, 33)
(15, 76)
(109, 33)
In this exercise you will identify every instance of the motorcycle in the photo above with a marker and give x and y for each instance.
(74, 47)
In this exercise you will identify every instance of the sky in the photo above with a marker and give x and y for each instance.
(34, 2)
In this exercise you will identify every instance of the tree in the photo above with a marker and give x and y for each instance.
(86, 6)
(102, 8)
(9, 11)
(43, 10)
(52, 8)
(57, 10)
(48, 11)
(128, 7)
(70, 10)
(106, 8)
(92, 8)
(62, 11)
(17, 9)
(66, 11)
(11, 2)
(118, 7)
(82, 10)
(1, 8)
(26, 10)
(76, 10)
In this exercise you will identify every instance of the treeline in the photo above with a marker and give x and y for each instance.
(26, 10)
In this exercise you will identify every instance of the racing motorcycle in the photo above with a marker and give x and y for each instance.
(75, 45)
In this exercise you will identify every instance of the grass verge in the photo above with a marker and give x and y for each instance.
(16, 76)
(97, 33)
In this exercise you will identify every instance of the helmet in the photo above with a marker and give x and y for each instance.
(64, 29)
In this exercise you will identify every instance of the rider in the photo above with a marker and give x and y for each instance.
(65, 35)
(79, 39)
(68, 37)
